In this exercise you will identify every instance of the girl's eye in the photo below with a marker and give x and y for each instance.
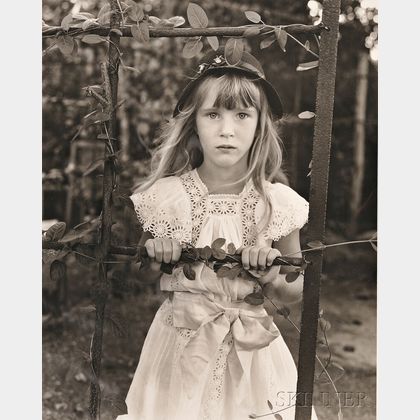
(213, 115)
(242, 115)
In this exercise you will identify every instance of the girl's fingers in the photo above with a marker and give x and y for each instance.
(176, 251)
(167, 250)
(262, 257)
(245, 258)
(272, 255)
(253, 256)
(158, 250)
(150, 248)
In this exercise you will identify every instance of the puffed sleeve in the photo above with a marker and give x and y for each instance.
(289, 211)
(164, 210)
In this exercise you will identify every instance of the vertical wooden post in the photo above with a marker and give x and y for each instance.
(317, 208)
(297, 133)
(102, 291)
(359, 139)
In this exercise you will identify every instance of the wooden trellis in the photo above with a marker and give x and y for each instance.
(328, 32)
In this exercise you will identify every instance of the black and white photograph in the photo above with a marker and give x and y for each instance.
(209, 210)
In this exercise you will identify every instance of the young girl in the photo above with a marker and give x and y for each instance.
(208, 353)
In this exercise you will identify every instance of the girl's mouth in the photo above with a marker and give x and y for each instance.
(226, 147)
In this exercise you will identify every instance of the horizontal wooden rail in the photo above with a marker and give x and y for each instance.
(132, 251)
(184, 32)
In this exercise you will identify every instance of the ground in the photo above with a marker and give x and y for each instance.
(348, 299)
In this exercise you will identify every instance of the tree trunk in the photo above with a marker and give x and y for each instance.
(359, 140)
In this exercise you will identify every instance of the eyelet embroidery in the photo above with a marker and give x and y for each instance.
(186, 224)
(158, 220)
(204, 204)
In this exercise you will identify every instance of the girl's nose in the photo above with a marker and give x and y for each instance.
(227, 127)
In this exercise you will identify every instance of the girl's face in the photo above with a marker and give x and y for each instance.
(226, 135)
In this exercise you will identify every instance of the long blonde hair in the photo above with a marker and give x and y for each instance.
(179, 148)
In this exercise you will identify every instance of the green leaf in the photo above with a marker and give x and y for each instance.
(177, 21)
(116, 31)
(219, 254)
(105, 9)
(306, 115)
(131, 69)
(98, 163)
(205, 252)
(218, 243)
(292, 276)
(316, 244)
(270, 406)
(155, 21)
(118, 323)
(229, 272)
(324, 324)
(250, 32)
(266, 42)
(281, 36)
(284, 311)
(214, 42)
(144, 29)
(234, 272)
(65, 23)
(254, 299)
(253, 16)
(83, 16)
(197, 16)
(135, 12)
(84, 255)
(223, 271)
(101, 117)
(66, 44)
(234, 49)
(192, 48)
(189, 272)
(49, 255)
(231, 249)
(105, 19)
(92, 39)
(252, 416)
(55, 232)
(57, 270)
(88, 23)
(166, 268)
(277, 416)
(79, 231)
(193, 253)
(307, 66)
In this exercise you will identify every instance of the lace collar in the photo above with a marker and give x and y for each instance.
(205, 192)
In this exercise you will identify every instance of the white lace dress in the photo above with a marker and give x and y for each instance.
(208, 354)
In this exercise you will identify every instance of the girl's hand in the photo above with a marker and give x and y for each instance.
(260, 259)
(163, 250)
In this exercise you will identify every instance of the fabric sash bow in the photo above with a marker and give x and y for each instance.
(251, 328)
